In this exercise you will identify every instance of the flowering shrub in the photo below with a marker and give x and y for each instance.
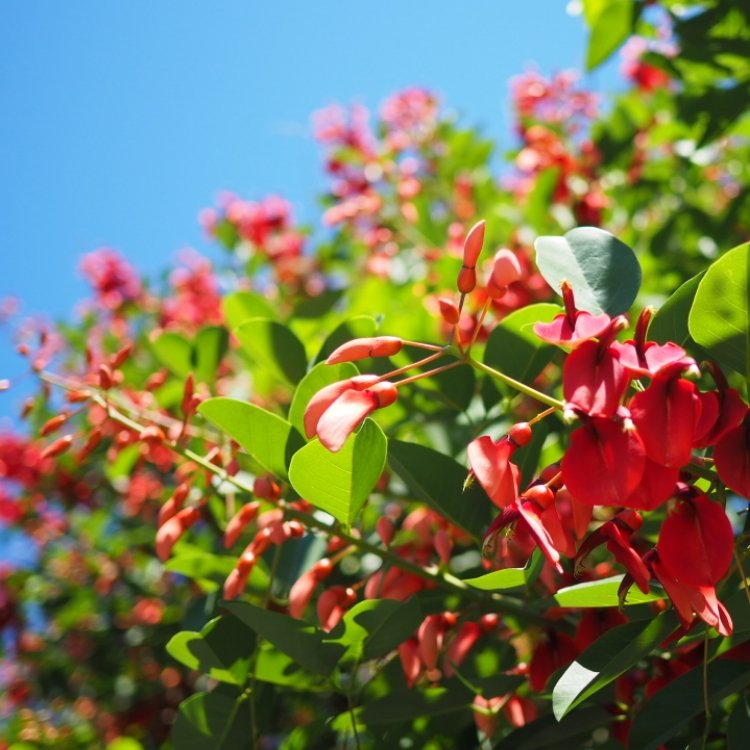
(465, 472)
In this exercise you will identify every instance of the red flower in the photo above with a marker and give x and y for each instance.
(335, 411)
(490, 462)
(696, 541)
(604, 463)
(732, 457)
(665, 415)
(573, 327)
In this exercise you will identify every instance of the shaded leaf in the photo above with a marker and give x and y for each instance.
(374, 627)
(669, 710)
(514, 348)
(298, 639)
(272, 344)
(671, 321)
(222, 650)
(607, 658)
(212, 721)
(437, 480)
(238, 307)
(603, 271)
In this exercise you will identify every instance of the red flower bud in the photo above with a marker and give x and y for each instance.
(374, 346)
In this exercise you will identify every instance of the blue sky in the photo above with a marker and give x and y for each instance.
(122, 120)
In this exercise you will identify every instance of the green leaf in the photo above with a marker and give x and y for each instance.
(319, 377)
(603, 271)
(175, 352)
(671, 321)
(209, 348)
(607, 658)
(545, 732)
(452, 695)
(720, 317)
(675, 705)
(602, 593)
(508, 578)
(374, 627)
(273, 345)
(241, 306)
(278, 668)
(339, 483)
(437, 480)
(212, 721)
(124, 743)
(222, 650)
(515, 349)
(611, 27)
(738, 729)
(360, 326)
(268, 438)
(298, 639)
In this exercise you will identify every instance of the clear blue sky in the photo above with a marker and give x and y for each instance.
(121, 120)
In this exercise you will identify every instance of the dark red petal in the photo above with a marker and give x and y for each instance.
(343, 416)
(696, 542)
(540, 534)
(732, 457)
(603, 463)
(709, 414)
(657, 485)
(594, 380)
(665, 415)
(491, 465)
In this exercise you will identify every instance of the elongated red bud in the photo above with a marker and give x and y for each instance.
(54, 424)
(385, 529)
(239, 521)
(75, 397)
(156, 380)
(120, 357)
(473, 244)
(505, 271)
(448, 311)
(187, 396)
(59, 446)
(467, 279)
(373, 346)
(105, 377)
(168, 534)
(94, 439)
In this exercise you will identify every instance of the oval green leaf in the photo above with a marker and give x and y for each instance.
(268, 438)
(436, 479)
(603, 271)
(339, 483)
(607, 658)
(720, 316)
(515, 349)
(602, 593)
(273, 345)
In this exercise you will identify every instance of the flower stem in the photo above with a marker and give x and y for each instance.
(516, 384)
